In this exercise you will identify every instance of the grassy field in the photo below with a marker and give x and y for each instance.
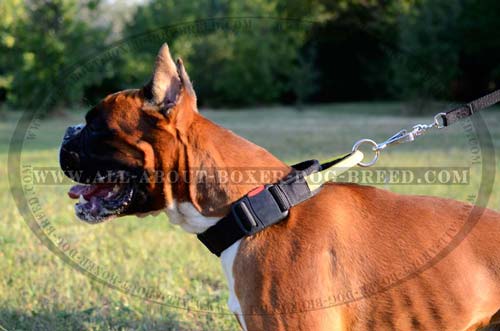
(39, 291)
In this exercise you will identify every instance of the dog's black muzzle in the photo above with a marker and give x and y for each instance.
(69, 157)
(85, 158)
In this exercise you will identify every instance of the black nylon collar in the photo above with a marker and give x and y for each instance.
(260, 208)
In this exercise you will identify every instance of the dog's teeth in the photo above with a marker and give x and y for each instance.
(82, 199)
(110, 194)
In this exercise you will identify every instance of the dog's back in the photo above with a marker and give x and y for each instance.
(361, 258)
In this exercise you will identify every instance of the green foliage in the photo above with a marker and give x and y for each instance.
(237, 61)
(428, 60)
(447, 50)
(45, 40)
(479, 48)
(248, 69)
(12, 13)
(303, 77)
(251, 53)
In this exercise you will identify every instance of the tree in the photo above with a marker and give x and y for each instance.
(46, 40)
(13, 13)
(479, 49)
(235, 61)
(427, 63)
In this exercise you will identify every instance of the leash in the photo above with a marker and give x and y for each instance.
(441, 121)
(269, 204)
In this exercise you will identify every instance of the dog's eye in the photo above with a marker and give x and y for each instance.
(93, 127)
(94, 122)
(99, 130)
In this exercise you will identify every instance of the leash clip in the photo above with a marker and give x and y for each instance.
(402, 136)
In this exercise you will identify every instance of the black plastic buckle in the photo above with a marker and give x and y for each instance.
(257, 210)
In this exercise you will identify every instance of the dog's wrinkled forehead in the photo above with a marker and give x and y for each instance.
(117, 111)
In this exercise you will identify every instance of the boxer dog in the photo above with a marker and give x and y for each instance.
(352, 258)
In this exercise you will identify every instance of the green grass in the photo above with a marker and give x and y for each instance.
(38, 291)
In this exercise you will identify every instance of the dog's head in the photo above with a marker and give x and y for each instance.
(115, 154)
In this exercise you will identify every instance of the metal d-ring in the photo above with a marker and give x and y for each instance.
(375, 149)
(439, 120)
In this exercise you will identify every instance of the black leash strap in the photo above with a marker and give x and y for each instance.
(441, 120)
(471, 108)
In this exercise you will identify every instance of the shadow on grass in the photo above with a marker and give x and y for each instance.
(12, 320)
(61, 320)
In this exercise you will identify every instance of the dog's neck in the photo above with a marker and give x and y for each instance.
(221, 167)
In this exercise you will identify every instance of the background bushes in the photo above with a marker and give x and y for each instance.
(289, 52)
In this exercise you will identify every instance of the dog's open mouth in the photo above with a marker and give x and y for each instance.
(101, 202)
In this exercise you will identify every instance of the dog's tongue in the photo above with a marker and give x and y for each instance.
(89, 191)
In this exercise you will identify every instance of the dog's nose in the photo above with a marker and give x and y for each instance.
(73, 131)
(69, 159)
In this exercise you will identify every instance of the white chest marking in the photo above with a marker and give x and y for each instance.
(191, 220)
(227, 258)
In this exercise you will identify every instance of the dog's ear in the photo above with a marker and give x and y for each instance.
(165, 85)
(185, 81)
(169, 82)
